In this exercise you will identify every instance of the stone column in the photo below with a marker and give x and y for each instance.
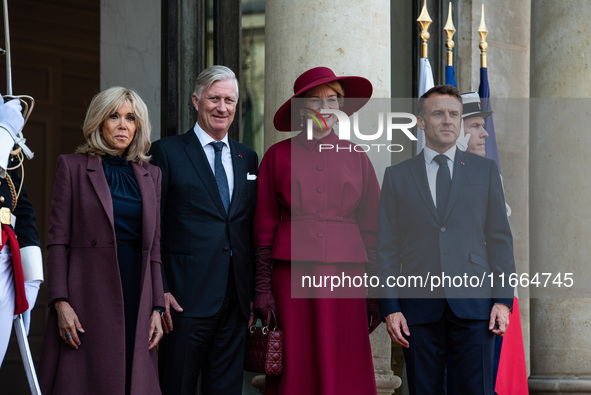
(559, 202)
(130, 51)
(351, 39)
(381, 346)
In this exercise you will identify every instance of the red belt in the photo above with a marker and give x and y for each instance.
(20, 301)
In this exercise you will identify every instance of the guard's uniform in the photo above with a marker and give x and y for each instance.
(22, 221)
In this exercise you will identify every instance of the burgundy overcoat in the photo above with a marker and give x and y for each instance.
(82, 267)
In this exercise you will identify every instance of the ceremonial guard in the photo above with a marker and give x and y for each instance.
(21, 269)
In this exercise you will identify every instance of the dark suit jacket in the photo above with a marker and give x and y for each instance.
(82, 267)
(473, 239)
(200, 242)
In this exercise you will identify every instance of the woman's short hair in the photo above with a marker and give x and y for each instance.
(337, 87)
(210, 75)
(101, 107)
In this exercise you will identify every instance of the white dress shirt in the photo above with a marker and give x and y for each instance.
(432, 167)
(205, 140)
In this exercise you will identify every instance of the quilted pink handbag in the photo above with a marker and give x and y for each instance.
(264, 347)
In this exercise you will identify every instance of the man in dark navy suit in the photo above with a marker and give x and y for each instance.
(208, 200)
(443, 223)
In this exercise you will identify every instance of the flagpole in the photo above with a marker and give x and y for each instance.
(450, 30)
(482, 31)
(425, 72)
(511, 374)
(424, 20)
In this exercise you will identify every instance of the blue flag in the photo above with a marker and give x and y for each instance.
(509, 360)
(450, 79)
(491, 142)
(450, 76)
(492, 153)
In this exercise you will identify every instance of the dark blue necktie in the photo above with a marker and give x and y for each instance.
(442, 184)
(220, 174)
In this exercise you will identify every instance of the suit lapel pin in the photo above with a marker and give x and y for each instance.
(462, 163)
(240, 155)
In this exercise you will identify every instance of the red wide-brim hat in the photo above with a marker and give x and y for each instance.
(354, 87)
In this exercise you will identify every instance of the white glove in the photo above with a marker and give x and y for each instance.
(462, 142)
(31, 292)
(6, 146)
(12, 120)
(11, 117)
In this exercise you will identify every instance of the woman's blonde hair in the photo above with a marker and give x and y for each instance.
(338, 88)
(335, 86)
(101, 107)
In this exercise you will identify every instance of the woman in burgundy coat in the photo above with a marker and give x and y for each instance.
(104, 280)
(317, 216)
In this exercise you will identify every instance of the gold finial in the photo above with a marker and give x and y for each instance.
(424, 20)
(483, 45)
(450, 30)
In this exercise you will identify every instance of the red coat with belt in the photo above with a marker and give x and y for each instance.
(318, 210)
(82, 267)
(317, 206)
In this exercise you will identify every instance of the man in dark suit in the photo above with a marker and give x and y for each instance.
(443, 224)
(208, 200)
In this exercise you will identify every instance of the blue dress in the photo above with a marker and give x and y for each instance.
(127, 210)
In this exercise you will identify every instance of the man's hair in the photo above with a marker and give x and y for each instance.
(448, 90)
(101, 107)
(210, 75)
